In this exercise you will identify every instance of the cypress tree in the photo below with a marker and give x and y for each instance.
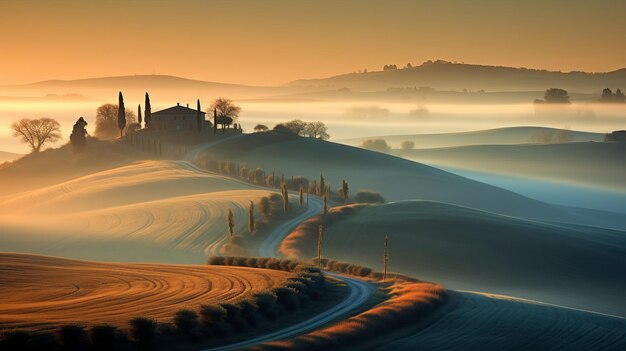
(344, 190)
(325, 203)
(301, 195)
(199, 117)
(148, 114)
(283, 187)
(214, 121)
(320, 234)
(322, 186)
(121, 114)
(251, 217)
(139, 115)
(231, 222)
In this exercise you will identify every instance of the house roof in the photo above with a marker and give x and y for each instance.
(177, 110)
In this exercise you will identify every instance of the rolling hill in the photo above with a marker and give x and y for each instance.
(498, 136)
(592, 164)
(443, 75)
(56, 165)
(462, 248)
(40, 293)
(150, 211)
(8, 156)
(395, 178)
(159, 86)
(486, 322)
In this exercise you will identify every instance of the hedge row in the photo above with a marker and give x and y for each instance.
(208, 322)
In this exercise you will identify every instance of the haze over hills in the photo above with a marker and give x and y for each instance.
(8, 156)
(592, 164)
(439, 75)
(474, 250)
(442, 75)
(138, 84)
(395, 178)
(497, 136)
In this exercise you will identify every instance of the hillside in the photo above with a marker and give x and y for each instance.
(151, 211)
(395, 178)
(40, 293)
(443, 75)
(467, 249)
(56, 165)
(486, 322)
(498, 136)
(593, 164)
(8, 156)
(159, 86)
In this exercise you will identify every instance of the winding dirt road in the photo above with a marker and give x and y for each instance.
(360, 291)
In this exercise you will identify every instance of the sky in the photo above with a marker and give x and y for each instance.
(273, 42)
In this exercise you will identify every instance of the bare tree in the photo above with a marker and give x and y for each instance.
(316, 130)
(296, 126)
(226, 112)
(37, 132)
(106, 121)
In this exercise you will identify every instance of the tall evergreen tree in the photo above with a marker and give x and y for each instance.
(148, 114)
(325, 204)
(230, 219)
(283, 188)
(214, 121)
(301, 195)
(199, 116)
(344, 190)
(322, 186)
(139, 115)
(251, 217)
(121, 114)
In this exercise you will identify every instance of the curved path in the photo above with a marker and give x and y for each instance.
(360, 291)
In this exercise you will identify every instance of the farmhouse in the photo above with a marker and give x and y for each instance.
(178, 118)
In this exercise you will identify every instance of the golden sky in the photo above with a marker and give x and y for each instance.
(273, 42)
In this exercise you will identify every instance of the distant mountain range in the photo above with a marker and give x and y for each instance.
(160, 85)
(442, 75)
(448, 79)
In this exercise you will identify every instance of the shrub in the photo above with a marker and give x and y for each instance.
(379, 145)
(142, 330)
(234, 316)
(368, 196)
(72, 337)
(266, 301)
(14, 340)
(102, 337)
(217, 260)
(210, 315)
(185, 320)
(288, 297)
(249, 311)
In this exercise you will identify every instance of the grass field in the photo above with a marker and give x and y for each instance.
(40, 293)
(467, 249)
